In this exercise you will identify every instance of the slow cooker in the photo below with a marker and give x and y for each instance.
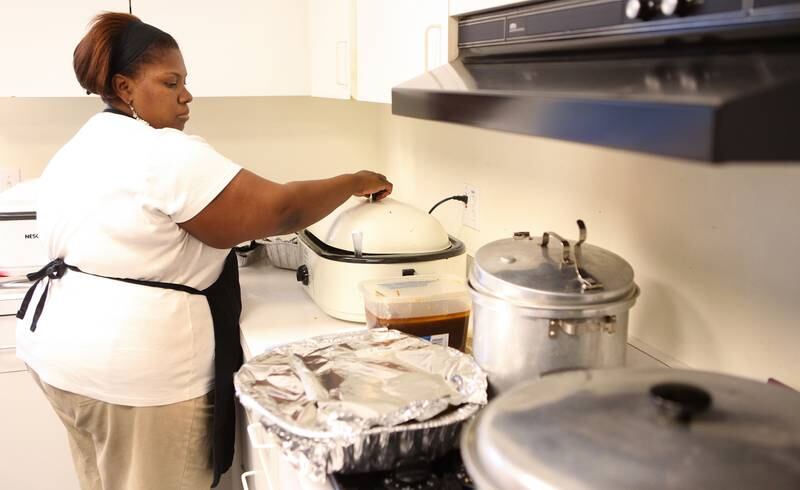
(364, 240)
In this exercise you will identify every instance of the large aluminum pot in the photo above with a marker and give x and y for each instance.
(543, 306)
(655, 429)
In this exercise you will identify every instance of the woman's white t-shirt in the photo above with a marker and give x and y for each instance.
(110, 203)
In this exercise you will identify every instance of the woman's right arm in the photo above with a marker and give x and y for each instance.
(252, 207)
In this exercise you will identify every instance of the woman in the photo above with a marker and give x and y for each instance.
(132, 330)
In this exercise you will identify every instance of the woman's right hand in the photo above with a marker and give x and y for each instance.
(371, 184)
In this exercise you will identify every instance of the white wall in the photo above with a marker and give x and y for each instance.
(714, 249)
(280, 138)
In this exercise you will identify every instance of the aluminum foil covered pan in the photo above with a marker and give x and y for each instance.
(361, 401)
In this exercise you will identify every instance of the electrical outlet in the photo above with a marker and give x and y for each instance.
(9, 177)
(470, 216)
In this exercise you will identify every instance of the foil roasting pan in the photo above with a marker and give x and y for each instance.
(361, 401)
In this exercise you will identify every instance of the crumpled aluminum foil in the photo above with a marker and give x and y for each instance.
(361, 401)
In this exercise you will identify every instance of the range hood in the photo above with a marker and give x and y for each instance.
(720, 82)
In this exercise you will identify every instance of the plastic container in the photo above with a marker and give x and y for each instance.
(433, 307)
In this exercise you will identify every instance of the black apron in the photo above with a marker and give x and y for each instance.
(225, 303)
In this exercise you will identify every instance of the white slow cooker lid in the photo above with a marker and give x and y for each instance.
(386, 227)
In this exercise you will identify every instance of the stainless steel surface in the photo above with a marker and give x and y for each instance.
(533, 274)
(634, 429)
(518, 343)
(329, 397)
(539, 309)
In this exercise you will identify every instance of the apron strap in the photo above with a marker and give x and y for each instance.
(53, 270)
(57, 268)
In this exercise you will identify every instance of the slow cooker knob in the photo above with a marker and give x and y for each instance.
(302, 275)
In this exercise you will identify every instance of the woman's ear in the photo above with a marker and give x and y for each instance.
(123, 87)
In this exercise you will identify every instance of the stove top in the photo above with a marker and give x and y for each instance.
(445, 473)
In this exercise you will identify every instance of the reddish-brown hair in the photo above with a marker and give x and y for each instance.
(92, 56)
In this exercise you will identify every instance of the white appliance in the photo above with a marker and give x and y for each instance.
(365, 240)
(21, 250)
(27, 421)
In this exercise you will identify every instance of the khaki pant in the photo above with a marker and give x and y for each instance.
(116, 447)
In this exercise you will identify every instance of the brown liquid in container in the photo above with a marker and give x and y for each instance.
(454, 324)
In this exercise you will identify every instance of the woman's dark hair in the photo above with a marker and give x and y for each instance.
(97, 57)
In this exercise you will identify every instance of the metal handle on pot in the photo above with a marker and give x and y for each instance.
(572, 327)
(584, 278)
(565, 259)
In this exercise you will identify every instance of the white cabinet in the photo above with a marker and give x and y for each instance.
(397, 40)
(237, 48)
(461, 7)
(265, 467)
(36, 44)
(330, 28)
(253, 476)
(323, 48)
(35, 452)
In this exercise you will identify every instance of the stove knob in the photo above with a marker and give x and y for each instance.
(640, 9)
(668, 7)
(676, 7)
(302, 275)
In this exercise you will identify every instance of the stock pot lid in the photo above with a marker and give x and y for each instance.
(637, 428)
(541, 271)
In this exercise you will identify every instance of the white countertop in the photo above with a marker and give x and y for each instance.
(276, 310)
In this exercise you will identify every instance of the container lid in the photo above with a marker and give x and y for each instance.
(381, 227)
(551, 271)
(414, 288)
(416, 297)
(637, 428)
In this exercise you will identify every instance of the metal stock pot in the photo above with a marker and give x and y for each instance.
(548, 305)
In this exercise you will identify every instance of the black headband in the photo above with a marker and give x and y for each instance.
(134, 40)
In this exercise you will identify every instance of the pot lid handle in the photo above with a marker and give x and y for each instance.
(586, 280)
(680, 402)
